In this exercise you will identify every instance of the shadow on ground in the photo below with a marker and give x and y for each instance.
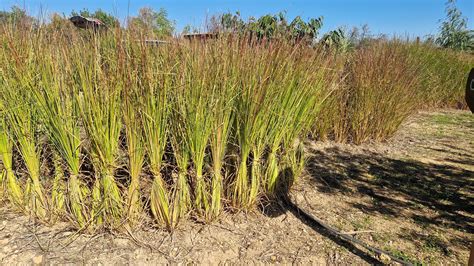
(398, 185)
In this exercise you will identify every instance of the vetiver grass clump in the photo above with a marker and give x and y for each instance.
(22, 123)
(57, 102)
(124, 129)
(9, 182)
(111, 131)
(443, 75)
(384, 81)
(101, 86)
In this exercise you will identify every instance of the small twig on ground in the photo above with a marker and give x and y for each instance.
(136, 241)
(82, 250)
(39, 243)
(296, 256)
(35, 235)
(357, 232)
(225, 228)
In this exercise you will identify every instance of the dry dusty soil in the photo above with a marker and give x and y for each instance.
(412, 196)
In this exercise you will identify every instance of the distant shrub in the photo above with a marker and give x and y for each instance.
(443, 75)
(378, 92)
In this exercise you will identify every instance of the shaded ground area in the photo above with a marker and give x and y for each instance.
(412, 196)
(415, 194)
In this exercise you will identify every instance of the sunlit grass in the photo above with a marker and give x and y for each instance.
(188, 129)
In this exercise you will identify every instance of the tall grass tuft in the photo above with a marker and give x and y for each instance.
(155, 84)
(18, 74)
(202, 126)
(135, 151)
(294, 107)
(193, 105)
(57, 101)
(100, 111)
(381, 88)
(442, 76)
(382, 79)
(58, 191)
(22, 119)
(254, 73)
(22, 122)
(224, 94)
(180, 193)
(14, 190)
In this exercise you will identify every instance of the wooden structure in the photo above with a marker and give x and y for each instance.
(200, 36)
(87, 23)
(155, 42)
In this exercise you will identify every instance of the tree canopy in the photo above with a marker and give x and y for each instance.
(453, 31)
(155, 21)
(16, 16)
(269, 26)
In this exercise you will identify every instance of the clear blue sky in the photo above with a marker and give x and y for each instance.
(402, 17)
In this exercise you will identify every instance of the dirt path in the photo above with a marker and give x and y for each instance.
(412, 196)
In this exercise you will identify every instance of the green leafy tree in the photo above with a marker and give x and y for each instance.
(300, 29)
(188, 29)
(155, 21)
(58, 22)
(266, 26)
(17, 16)
(359, 36)
(269, 26)
(337, 39)
(454, 32)
(232, 22)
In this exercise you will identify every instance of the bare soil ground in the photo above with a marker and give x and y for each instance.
(412, 196)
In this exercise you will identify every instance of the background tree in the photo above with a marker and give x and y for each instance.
(454, 32)
(155, 21)
(266, 26)
(269, 26)
(58, 22)
(300, 29)
(337, 39)
(188, 29)
(16, 16)
(231, 22)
